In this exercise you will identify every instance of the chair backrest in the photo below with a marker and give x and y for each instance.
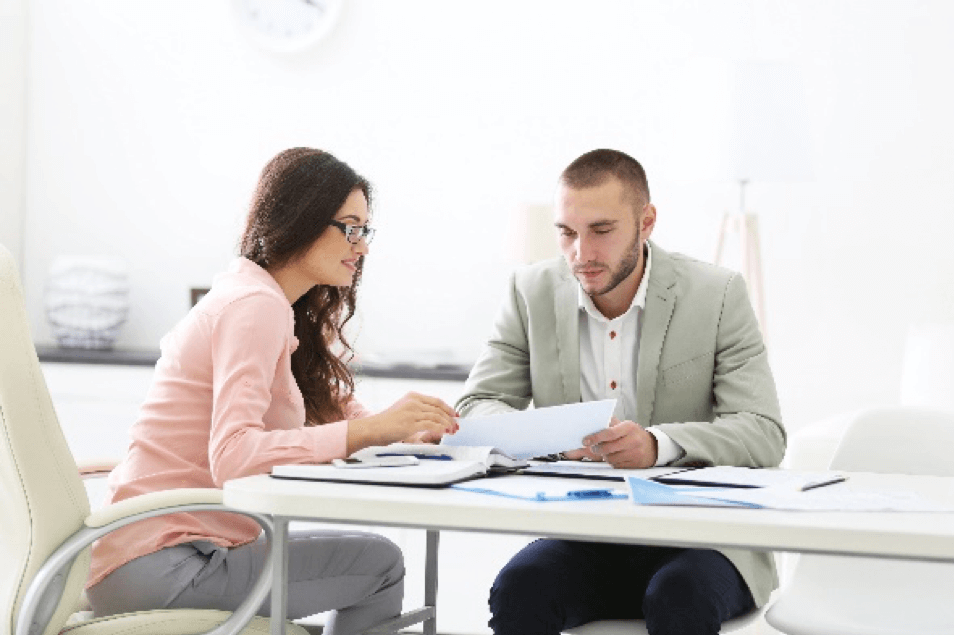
(42, 499)
(898, 440)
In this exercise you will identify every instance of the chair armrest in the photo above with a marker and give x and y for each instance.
(96, 468)
(153, 501)
(43, 595)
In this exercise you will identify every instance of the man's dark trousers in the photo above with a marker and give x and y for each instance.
(552, 585)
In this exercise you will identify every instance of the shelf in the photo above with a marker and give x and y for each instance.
(149, 357)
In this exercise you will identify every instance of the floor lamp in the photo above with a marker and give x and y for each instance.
(770, 139)
(745, 225)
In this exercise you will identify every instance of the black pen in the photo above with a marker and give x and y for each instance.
(836, 478)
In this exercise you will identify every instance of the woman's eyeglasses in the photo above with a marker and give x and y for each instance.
(354, 233)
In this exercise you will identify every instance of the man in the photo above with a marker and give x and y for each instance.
(676, 342)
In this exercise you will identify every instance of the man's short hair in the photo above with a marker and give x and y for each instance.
(596, 166)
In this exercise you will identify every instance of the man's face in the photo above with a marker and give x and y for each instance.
(598, 235)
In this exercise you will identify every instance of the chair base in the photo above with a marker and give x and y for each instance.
(638, 627)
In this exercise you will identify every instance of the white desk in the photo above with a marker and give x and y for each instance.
(922, 536)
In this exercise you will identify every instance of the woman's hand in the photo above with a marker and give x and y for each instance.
(412, 416)
(424, 436)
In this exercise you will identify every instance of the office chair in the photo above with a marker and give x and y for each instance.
(45, 523)
(835, 595)
(638, 627)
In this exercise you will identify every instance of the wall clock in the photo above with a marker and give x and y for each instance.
(287, 25)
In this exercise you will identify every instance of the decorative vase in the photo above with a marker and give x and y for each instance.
(87, 300)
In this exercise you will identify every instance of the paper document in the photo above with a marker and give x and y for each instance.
(527, 433)
(834, 498)
(542, 489)
(596, 470)
(726, 476)
(837, 497)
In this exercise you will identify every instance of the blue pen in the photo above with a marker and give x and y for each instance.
(434, 457)
(592, 493)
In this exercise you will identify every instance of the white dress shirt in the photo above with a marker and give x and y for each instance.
(609, 355)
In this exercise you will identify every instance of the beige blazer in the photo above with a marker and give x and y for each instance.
(702, 375)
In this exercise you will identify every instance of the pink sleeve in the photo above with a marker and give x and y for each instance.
(248, 338)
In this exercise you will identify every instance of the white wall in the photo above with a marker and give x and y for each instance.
(148, 123)
(13, 65)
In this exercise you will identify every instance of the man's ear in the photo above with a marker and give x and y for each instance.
(647, 220)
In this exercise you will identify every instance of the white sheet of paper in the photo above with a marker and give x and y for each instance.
(527, 433)
(838, 497)
(751, 477)
(596, 468)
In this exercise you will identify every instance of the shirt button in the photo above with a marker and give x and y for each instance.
(612, 385)
(612, 335)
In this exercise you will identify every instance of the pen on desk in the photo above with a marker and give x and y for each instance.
(591, 493)
(434, 457)
(837, 478)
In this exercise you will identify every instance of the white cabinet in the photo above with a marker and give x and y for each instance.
(377, 393)
(96, 404)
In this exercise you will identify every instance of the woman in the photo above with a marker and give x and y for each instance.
(253, 377)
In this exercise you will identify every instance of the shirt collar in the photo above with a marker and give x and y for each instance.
(245, 267)
(639, 300)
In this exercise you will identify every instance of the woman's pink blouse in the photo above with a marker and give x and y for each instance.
(223, 404)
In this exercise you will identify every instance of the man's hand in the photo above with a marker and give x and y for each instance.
(625, 444)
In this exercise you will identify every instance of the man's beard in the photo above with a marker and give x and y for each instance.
(626, 267)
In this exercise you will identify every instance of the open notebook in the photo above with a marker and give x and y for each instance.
(473, 451)
(434, 465)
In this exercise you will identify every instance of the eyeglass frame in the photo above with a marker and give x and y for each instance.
(364, 231)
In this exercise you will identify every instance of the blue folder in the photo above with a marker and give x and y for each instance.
(568, 495)
(645, 492)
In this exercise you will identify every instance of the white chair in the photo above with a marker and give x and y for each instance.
(830, 595)
(45, 524)
(638, 627)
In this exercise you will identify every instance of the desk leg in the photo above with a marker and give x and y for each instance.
(430, 580)
(279, 575)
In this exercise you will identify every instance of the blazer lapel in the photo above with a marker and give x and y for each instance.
(566, 308)
(660, 302)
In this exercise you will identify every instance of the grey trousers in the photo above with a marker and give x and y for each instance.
(358, 575)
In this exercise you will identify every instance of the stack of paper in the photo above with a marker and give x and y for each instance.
(751, 477)
(837, 497)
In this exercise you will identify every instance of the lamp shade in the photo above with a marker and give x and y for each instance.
(770, 127)
(534, 236)
(927, 372)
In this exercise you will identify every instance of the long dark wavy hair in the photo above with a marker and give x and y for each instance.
(298, 193)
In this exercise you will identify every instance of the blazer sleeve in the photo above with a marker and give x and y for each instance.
(500, 380)
(747, 429)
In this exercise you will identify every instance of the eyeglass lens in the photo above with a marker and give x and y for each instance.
(357, 232)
